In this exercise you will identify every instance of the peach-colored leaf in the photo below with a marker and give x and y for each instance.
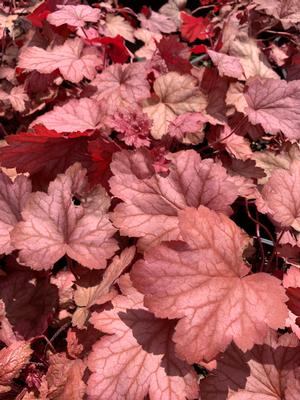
(12, 359)
(269, 371)
(53, 225)
(177, 94)
(117, 25)
(150, 39)
(137, 357)
(208, 287)
(282, 195)
(251, 58)
(65, 378)
(151, 203)
(236, 145)
(86, 297)
(270, 161)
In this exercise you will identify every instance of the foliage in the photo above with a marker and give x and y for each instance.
(150, 200)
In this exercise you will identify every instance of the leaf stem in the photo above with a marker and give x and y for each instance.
(57, 333)
(203, 8)
(274, 252)
(46, 339)
(261, 247)
(257, 222)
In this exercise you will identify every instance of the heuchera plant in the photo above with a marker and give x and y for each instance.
(150, 200)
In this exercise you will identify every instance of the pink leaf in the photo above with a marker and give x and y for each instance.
(17, 98)
(158, 23)
(279, 55)
(76, 115)
(122, 85)
(133, 126)
(206, 285)
(286, 11)
(137, 357)
(265, 372)
(282, 195)
(52, 226)
(275, 105)
(13, 197)
(185, 124)
(172, 9)
(76, 15)
(151, 203)
(292, 278)
(73, 60)
(227, 65)
(292, 389)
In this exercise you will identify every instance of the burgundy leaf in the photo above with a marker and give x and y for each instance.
(30, 302)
